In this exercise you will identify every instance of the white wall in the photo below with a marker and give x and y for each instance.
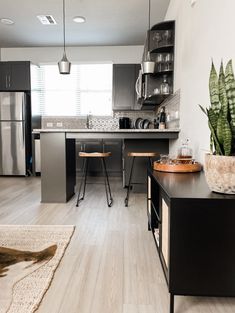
(115, 54)
(203, 32)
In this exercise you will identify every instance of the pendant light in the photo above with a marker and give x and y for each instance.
(148, 66)
(64, 65)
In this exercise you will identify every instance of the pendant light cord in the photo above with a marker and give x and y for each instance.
(149, 13)
(149, 16)
(64, 23)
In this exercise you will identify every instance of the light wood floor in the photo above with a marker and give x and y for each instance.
(111, 265)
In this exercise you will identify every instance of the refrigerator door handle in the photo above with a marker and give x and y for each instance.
(23, 138)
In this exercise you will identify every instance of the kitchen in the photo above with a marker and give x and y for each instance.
(108, 243)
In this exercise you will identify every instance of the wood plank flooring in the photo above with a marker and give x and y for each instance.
(111, 265)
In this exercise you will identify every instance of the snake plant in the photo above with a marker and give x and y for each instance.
(221, 113)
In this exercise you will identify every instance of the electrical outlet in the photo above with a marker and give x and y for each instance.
(49, 124)
(59, 124)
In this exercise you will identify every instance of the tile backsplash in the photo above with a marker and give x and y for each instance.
(172, 105)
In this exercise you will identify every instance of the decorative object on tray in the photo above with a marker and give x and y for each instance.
(177, 165)
(220, 164)
(183, 163)
(29, 256)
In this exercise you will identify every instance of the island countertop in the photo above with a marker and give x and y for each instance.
(86, 130)
(112, 133)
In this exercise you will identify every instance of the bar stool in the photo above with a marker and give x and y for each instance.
(87, 156)
(135, 155)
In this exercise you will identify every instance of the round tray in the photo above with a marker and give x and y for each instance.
(177, 168)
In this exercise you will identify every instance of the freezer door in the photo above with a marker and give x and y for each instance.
(12, 106)
(12, 148)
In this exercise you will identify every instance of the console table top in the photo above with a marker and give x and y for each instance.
(187, 185)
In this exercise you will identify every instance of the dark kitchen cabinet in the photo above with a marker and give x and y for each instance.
(194, 232)
(124, 79)
(15, 76)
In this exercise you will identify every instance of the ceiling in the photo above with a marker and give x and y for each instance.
(108, 22)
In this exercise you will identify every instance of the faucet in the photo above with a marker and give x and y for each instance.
(88, 118)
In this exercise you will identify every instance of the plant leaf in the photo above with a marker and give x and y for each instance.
(230, 90)
(203, 110)
(219, 128)
(227, 136)
(214, 90)
(214, 135)
(213, 117)
(222, 92)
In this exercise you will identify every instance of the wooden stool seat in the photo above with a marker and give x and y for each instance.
(143, 154)
(94, 154)
(135, 155)
(87, 156)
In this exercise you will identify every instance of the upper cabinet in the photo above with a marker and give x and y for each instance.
(15, 76)
(124, 80)
(158, 86)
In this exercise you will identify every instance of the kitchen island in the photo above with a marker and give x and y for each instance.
(58, 154)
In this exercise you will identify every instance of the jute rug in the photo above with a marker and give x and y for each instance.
(29, 256)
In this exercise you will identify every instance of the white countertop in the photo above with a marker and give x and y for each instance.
(82, 130)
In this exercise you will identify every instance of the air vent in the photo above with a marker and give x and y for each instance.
(46, 19)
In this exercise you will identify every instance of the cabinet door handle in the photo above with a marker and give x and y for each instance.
(137, 87)
(9, 81)
(6, 82)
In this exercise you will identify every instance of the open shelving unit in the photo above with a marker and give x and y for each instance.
(161, 46)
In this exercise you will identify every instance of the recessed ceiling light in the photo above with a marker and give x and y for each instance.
(79, 19)
(7, 21)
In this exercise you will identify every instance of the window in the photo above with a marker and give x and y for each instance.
(87, 90)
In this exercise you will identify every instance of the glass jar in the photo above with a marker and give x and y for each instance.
(185, 152)
(165, 88)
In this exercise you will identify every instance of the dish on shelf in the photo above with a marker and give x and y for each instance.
(141, 124)
(145, 124)
(138, 122)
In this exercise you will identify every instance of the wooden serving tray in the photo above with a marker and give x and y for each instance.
(177, 168)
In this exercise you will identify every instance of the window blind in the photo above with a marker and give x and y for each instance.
(87, 90)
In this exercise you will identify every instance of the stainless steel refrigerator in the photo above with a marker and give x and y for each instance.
(13, 133)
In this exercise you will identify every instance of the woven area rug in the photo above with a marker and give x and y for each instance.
(29, 256)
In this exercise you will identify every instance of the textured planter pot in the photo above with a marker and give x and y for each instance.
(220, 173)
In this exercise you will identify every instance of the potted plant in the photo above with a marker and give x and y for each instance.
(220, 163)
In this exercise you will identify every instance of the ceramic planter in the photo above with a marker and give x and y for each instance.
(220, 173)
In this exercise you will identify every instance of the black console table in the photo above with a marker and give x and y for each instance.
(194, 232)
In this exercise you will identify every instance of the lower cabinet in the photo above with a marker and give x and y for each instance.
(194, 233)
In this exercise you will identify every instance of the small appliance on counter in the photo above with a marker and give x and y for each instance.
(124, 123)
